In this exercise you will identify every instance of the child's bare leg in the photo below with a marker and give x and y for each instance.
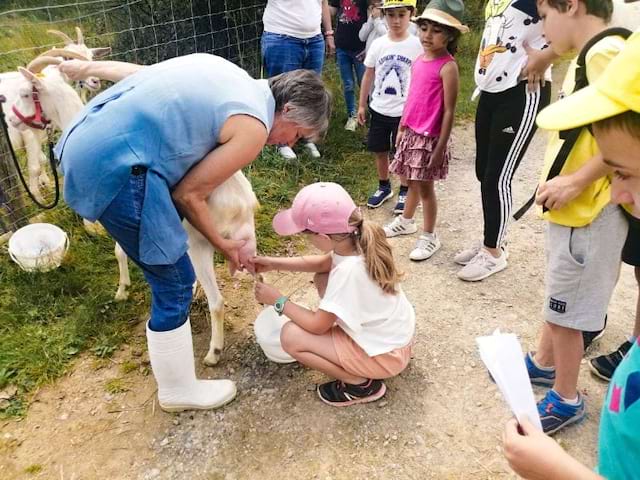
(382, 164)
(411, 203)
(316, 352)
(544, 352)
(429, 205)
(567, 353)
(404, 181)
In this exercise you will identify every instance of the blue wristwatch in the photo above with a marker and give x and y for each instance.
(279, 305)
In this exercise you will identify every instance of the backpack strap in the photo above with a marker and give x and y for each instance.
(570, 136)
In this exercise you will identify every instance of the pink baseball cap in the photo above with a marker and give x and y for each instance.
(321, 207)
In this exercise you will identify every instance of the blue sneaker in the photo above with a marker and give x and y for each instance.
(402, 197)
(555, 413)
(543, 377)
(381, 195)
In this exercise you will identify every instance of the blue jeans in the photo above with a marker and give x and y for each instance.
(351, 71)
(171, 285)
(282, 53)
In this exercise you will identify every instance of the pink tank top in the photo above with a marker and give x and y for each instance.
(425, 103)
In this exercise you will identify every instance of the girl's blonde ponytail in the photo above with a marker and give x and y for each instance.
(373, 245)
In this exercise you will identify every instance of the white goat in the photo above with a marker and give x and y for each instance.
(31, 139)
(232, 204)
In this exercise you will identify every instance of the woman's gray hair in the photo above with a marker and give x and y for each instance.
(308, 100)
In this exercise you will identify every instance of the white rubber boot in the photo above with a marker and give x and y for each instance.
(171, 355)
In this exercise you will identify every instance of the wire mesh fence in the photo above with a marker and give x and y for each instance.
(138, 31)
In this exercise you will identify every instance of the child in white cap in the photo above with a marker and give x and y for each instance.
(363, 329)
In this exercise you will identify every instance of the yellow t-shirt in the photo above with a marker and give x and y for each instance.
(585, 207)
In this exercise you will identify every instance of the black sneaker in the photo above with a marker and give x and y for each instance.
(604, 365)
(340, 394)
(589, 337)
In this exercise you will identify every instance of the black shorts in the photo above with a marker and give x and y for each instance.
(631, 249)
(382, 132)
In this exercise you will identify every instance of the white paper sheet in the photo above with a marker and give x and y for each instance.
(502, 354)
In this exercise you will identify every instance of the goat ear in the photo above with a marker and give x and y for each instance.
(100, 52)
(32, 77)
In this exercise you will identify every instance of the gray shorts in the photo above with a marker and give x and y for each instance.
(583, 265)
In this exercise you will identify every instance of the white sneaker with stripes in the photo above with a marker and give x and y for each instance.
(400, 226)
(426, 246)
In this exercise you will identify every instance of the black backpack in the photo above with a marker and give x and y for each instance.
(571, 136)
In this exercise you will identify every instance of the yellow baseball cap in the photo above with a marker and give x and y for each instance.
(616, 91)
(398, 3)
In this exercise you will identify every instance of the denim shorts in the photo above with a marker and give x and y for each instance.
(171, 285)
(282, 53)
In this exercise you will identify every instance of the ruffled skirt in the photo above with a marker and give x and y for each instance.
(413, 155)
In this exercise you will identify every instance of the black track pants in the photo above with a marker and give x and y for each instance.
(505, 124)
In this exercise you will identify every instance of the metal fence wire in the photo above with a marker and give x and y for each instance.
(138, 31)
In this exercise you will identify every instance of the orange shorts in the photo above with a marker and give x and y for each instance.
(356, 361)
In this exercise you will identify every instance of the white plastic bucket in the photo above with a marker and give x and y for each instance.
(38, 247)
(267, 328)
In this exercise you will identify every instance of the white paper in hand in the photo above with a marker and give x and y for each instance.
(502, 354)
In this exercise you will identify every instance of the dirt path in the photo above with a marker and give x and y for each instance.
(442, 418)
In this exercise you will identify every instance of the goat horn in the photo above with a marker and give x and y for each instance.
(62, 35)
(63, 52)
(36, 66)
(80, 36)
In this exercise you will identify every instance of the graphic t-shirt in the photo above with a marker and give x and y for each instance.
(351, 15)
(508, 25)
(619, 440)
(392, 63)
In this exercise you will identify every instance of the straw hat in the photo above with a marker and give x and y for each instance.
(445, 12)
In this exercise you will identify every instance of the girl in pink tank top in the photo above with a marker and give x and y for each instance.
(422, 153)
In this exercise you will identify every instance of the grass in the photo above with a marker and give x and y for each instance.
(48, 319)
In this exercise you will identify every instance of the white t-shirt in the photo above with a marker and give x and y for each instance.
(626, 15)
(392, 63)
(508, 25)
(378, 322)
(296, 18)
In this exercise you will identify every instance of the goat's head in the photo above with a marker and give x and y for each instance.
(43, 98)
(78, 46)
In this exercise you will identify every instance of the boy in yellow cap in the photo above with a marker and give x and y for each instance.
(612, 104)
(585, 234)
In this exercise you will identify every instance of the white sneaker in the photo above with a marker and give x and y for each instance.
(313, 150)
(465, 256)
(426, 246)
(287, 152)
(400, 226)
(482, 266)
(351, 124)
(172, 363)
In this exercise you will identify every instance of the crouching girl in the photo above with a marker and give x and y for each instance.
(363, 329)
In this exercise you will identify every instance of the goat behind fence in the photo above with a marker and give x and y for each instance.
(138, 31)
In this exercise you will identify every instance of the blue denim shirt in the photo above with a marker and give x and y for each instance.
(166, 117)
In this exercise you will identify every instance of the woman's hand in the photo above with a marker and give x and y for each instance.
(538, 62)
(231, 251)
(76, 70)
(262, 264)
(266, 294)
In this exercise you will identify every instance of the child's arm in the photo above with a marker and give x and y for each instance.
(534, 455)
(313, 322)
(365, 29)
(557, 192)
(306, 263)
(365, 88)
(450, 84)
